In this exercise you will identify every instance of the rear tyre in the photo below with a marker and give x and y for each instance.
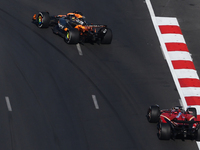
(164, 132)
(153, 114)
(43, 20)
(192, 111)
(198, 135)
(107, 38)
(72, 36)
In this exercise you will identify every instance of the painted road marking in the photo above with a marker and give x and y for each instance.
(95, 101)
(172, 38)
(167, 21)
(79, 49)
(179, 55)
(187, 82)
(191, 91)
(8, 103)
(186, 73)
(176, 47)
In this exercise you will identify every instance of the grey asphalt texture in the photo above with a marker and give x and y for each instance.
(50, 86)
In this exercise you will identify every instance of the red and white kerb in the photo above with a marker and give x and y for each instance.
(178, 57)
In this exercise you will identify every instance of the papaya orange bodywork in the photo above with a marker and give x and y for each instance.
(65, 29)
(83, 28)
(34, 17)
(76, 15)
(62, 16)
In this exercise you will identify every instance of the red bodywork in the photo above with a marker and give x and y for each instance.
(172, 115)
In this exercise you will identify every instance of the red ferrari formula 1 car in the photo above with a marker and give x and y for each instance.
(175, 122)
(74, 28)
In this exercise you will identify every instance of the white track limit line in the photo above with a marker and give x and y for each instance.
(8, 103)
(79, 49)
(95, 101)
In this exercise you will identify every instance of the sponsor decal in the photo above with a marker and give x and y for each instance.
(95, 26)
(79, 21)
(179, 114)
(61, 26)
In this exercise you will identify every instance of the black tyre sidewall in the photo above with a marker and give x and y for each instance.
(153, 114)
(164, 131)
(107, 39)
(198, 135)
(45, 20)
(73, 36)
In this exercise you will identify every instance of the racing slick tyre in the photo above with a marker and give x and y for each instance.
(164, 132)
(107, 38)
(192, 111)
(198, 135)
(153, 114)
(72, 36)
(43, 20)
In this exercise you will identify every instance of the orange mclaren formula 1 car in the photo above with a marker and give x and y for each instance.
(74, 28)
(175, 122)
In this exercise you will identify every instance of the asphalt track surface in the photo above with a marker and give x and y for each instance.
(50, 86)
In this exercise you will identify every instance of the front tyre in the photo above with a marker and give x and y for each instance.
(106, 34)
(198, 135)
(72, 36)
(153, 114)
(43, 20)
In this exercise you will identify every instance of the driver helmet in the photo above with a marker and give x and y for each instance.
(73, 18)
(176, 109)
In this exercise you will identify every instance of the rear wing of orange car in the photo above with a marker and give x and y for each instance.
(95, 26)
(92, 27)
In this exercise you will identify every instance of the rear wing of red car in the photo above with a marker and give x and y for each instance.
(186, 122)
